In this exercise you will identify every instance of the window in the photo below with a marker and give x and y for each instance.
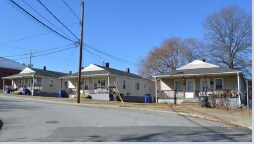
(103, 83)
(51, 82)
(137, 86)
(178, 85)
(86, 85)
(218, 84)
(204, 84)
(66, 84)
(124, 84)
(95, 84)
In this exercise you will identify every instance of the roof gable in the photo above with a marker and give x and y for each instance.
(197, 64)
(92, 67)
(27, 70)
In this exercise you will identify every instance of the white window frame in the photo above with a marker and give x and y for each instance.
(102, 83)
(95, 83)
(65, 84)
(86, 84)
(52, 82)
(181, 87)
(208, 82)
(215, 83)
(137, 86)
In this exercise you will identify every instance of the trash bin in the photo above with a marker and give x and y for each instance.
(203, 101)
(147, 98)
(62, 94)
(59, 94)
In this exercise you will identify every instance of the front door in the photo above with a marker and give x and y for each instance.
(190, 88)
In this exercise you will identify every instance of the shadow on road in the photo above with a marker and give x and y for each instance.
(7, 105)
(149, 134)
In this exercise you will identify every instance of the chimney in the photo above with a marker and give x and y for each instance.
(127, 70)
(107, 65)
(70, 72)
(44, 68)
(203, 60)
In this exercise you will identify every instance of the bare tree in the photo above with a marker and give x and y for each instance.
(229, 36)
(172, 53)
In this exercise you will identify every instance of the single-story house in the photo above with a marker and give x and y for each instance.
(199, 78)
(40, 82)
(100, 81)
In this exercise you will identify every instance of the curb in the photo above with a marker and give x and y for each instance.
(195, 115)
(210, 118)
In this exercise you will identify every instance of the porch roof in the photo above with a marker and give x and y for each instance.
(37, 73)
(199, 71)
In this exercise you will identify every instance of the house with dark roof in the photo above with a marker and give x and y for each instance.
(9, 67)
(100, 81)
(199, 78)
(41, 82)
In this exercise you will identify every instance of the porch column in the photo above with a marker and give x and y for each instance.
(33, 85)
(108, 80)
(156, 90)
(3, 85)
(238, 90)
(83, 86)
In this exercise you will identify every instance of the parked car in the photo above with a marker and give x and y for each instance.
(25, 91)
(63, 94)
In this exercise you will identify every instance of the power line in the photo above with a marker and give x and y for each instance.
(31, 37)
(26, 12)
(44, 53)
(57, 19)
(71, 10)
(26, 54)
(44, 17)
(109, 55)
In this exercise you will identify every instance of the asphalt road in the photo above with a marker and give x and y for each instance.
(31, 121)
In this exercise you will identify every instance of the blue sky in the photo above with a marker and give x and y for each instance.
(127, 29)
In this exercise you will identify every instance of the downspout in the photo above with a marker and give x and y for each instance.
(238, 91)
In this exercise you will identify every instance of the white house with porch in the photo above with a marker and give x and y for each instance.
(41, 82)
(99, 82)
(199, 78)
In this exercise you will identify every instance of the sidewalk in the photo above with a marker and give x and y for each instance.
(234, 117)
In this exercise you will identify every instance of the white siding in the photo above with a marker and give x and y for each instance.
(49, 87)
(145, 86)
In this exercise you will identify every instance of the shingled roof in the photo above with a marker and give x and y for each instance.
(37, 72)
(104, 71)
(198, 67)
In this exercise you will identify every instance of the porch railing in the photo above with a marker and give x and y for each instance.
(96, 90)
(170, 94)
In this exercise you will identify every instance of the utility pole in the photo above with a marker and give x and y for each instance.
(31, 55)
(80, 56)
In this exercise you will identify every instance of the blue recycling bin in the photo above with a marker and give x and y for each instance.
(147, 98)
(62, 94)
